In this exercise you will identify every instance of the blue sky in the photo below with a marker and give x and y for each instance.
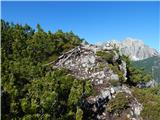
(93, 21)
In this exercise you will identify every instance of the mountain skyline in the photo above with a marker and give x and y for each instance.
(93, 21)
(134, 48)
(101, 42)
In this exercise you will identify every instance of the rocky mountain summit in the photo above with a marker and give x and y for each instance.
(85, 62)
(133, 48)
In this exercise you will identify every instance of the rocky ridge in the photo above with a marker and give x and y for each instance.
(84, 63)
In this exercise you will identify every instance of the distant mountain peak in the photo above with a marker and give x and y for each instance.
(132, 40)
(134, 48)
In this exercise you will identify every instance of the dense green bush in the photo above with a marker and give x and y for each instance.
(79, 114)
(155, 90)
(135, 75)
(30, 89)
(114, 82)
(108, 56)
(150, 102)
(88, 88)
(117, 104)
(56, 96)
(76, 93)
(102, 65)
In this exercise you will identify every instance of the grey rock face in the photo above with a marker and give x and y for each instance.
(123, 67)
(85, 64)
(133, 48)
(151, 83)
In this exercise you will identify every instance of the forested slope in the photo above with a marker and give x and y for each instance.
(150, 65)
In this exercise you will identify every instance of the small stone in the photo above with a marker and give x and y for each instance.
(100, 81)
(106, 93)
(112, 91)
(98, 117)
(128, 115)
(131, 113)
(92, 59)
(134, 119)
(104, 114)
(104, 106)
